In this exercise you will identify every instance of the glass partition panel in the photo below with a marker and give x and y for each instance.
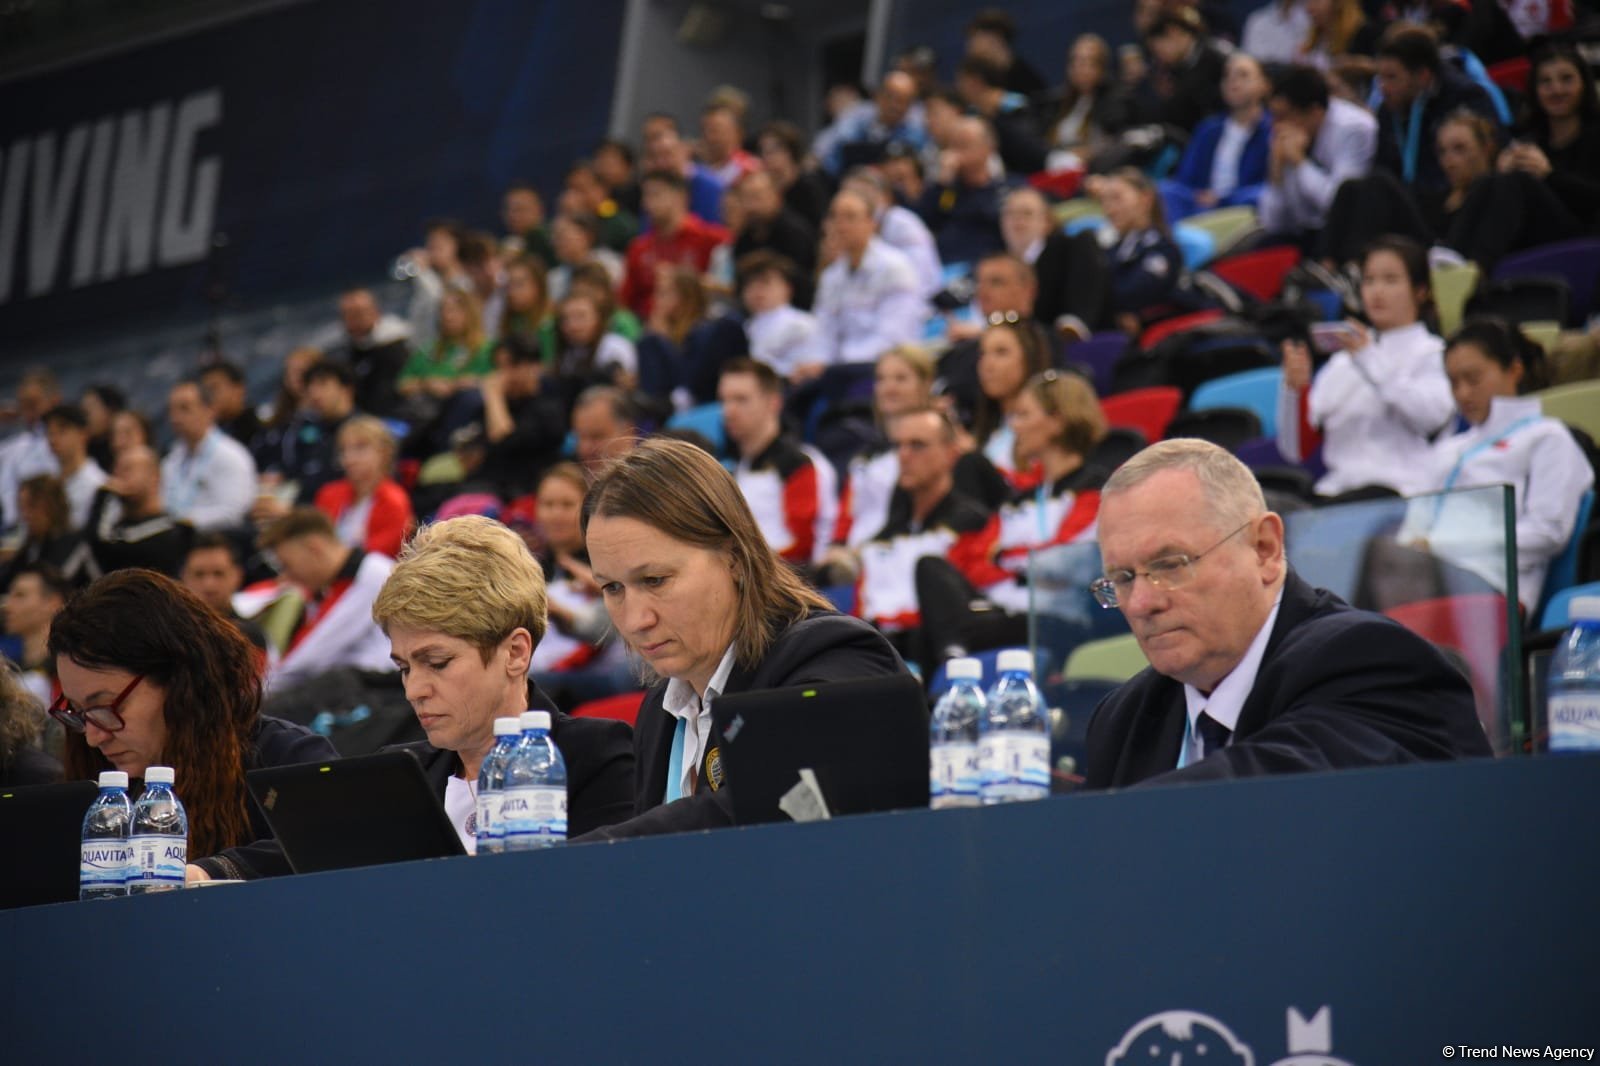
(1443, 565)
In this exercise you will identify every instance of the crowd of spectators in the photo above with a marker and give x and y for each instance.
(756, 286)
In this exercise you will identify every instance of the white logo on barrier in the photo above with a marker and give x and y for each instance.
(1180, 1036)
(1189, 1038)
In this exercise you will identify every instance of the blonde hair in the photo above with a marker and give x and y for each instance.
(470, 578)
(1072, 399)
(1229, 486)
(918, 358)
(683, 492)
(370, 429)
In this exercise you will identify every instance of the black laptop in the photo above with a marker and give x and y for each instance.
(41, 827)
(362, 811)
(844, 747)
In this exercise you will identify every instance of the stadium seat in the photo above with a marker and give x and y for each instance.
(1098, 355)
(1452, 287)
(1262, 452)
(1578, 261)
(705, 420)
(1473, 626)
(1577, 403)
(1511, 74)
(1544, 334)
(1146, 410)
(1197, 246)
(1557, 612)
(1227, 427)
(1563, 569)
(1158, 332)
(1082, 207)
(1121, 443)
(1225, 224)
(843, 597)
(989, 660)
(1111, 659)
(1259, 273)
(1525, 298)
(1254, 390)
(623, 708)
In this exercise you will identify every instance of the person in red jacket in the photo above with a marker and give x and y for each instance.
(368, 508)
(675, 237)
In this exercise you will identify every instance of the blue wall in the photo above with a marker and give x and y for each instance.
(328, 132)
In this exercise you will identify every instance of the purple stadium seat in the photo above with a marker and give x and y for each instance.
(1578, 261)
(1099, 354)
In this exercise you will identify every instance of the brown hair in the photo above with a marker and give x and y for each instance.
(529, 320)
(300, 522)
(691, 306)
(1144, 186)
(1070, 397)
(472, 308)
(148, 624)
(48, 492)
(679, 490)
(1348, 18)
(988, 414)
(19, 714)
(571, 473)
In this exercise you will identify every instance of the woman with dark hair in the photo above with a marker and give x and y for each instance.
(693, 589)
(1094, 109)
(1508, 441)
(1146, 265)
(151, 676)
(22, 761)
(1225, 161)
(1559, 141)
(782, 148)
(47, 520)
(130, 429)
(1010, 353)
(527, 304)
(100, 404)
(1374, 406)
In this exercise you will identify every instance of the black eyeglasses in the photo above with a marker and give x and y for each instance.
(108, 717)
(1168, 572)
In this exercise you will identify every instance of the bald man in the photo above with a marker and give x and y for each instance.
(1252, 671)
(893, 116)
(962, 208)
(127, 526)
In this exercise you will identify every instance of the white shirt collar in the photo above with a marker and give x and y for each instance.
(1030, 254)
(1228, 698)
(1506, 411)
(680, 701)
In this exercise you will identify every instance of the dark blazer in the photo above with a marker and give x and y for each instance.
(822, 647)
(599, 757)
(274, 742)
(1074, 279)
(1337, 688)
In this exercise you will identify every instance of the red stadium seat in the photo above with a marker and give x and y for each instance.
(1147, 410)
(624, 708)
(1511, 73)
(1167, 327)
(1258, 273)
(1475, 627)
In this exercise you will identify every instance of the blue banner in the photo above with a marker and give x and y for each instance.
(296, 148)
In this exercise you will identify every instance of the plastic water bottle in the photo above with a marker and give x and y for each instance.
(107, 855)
(491, 779)
(533, 804)
(953, 747)
(160, 836)
(1014, 735)
(1575, 681)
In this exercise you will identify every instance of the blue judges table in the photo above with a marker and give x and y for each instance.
(1368, 918)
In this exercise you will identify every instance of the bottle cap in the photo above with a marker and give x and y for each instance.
(963, 670)
(507, 727)
(158, 775)
(113, 779)
(1584, 609)
(535, 719)
(1016, 659)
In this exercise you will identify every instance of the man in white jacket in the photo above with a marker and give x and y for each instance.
(339, 584)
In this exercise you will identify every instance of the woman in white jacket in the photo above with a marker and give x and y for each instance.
(1508, 441)
(1375, 405)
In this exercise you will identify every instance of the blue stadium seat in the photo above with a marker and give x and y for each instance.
(705, 420)
(1254, 390)
(1563, 569)
(1557, 609)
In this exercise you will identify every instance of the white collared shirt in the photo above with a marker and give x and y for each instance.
(1228, 698)
(461, 807)
(681, 702)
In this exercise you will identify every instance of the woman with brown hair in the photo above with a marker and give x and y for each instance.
(151, 676)
(1010, 352)
(22, 761)
(693, 589)
(51, 540)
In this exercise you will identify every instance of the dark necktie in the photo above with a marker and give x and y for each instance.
(1213, 734)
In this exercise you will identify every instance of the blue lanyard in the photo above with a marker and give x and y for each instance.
(1188, 738)
(1040, 516)
(1413, 145)
(1472, 452)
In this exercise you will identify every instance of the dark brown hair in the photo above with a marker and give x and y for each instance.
(147, 624)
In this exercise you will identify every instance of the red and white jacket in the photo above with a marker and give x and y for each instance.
(783, 489)
(337, 628)
(1062, 513)
(957, 529)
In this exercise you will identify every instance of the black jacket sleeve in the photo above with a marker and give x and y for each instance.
(599, 757)
(277, 743)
